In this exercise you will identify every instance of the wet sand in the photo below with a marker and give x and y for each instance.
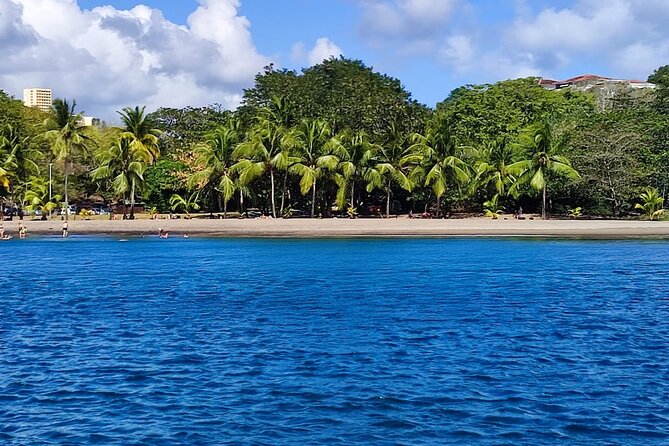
(363, 227)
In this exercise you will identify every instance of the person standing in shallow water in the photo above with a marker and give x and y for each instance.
(23, 231)
(66, 233)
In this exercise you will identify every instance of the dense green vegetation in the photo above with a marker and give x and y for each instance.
(341, 139)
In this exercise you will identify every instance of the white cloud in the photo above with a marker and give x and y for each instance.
(412, 25)
(628, 36)
(324, 49)
(458, 52)
(619, 38)
(109, 58)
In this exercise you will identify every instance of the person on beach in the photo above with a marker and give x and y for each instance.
(23, 231)
(66, 233)
(162, 233)
(4, 236)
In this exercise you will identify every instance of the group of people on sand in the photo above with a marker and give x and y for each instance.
(162, 233)
(23, 231)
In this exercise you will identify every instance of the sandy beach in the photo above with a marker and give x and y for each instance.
(363, 227)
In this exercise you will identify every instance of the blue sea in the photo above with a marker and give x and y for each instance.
(334, 342)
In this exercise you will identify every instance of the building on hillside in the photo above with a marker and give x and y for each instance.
(39, 98)
(590, 81)
(89, 121)
(605, 89)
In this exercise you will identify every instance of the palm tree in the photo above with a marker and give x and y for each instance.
(491, 166)
(17, 156)
(124, 167)
(543, 157)
(317, 151)
(492, 208)
(439, 164)
(353, 147)
(651, 203)
(215, 160)
(142, 140)
(67, 137)
(138, 131)
(279, 112)
(390, 163)
(37, 197)
(265, 150)
(185, 203)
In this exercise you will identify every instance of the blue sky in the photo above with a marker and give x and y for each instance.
(114, 53)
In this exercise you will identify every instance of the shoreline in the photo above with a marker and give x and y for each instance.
(346, 228)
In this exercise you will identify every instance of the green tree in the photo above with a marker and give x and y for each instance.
(492, 208)
(390, 163)
(651, 203)
(66, 136)
(214, 162)
(344, 92)
(609, 152)
(37, 197)
(265, 150)
(140, 134)
(543, 156)
(185, 203)
(316, 151)
(476, 114)
(182, 128)
(491, 166)
(125, 168)
(437, 162)
(353, 164)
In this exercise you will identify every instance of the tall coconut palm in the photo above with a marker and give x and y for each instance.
(279, 112)
(317, 151)
(124, 168)
(438, 164)
(142, 141)
(543, 157)
(492, 166)
(138, 130)
(214, 161)
(353, 146)
(265, 150)
(390, 163)
(66, 136)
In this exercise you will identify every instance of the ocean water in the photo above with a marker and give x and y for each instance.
(337, 342)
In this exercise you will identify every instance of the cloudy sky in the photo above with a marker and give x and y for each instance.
(114, 53)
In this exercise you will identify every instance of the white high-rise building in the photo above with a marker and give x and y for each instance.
(39, 98)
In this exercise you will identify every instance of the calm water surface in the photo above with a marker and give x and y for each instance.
(268, 342)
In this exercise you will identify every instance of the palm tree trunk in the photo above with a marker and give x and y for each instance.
(225, 209)
(543, 206)
(352, 194)
(132, 200)
(313, 200)
(218, 198)
(271, 175)
(388, 201)
(67, 204)
(241, 201)
(283, 192)
(438, 206)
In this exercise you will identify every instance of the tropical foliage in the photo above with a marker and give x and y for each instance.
(341, 139)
